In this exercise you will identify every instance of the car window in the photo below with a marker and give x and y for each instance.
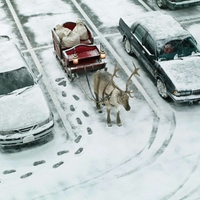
(140, 33)
(149, 44)
(179, 47)
(15, 79)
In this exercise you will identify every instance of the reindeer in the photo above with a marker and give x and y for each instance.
(111, 95)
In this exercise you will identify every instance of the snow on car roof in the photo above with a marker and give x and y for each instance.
(161, 27)
(10, 57)
(184, 72)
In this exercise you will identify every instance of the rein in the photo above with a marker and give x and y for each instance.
(106, 97)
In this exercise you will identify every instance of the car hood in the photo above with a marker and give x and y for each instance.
(23, 110)
(184, 72)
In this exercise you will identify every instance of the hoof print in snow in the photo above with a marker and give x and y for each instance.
(64, 94)
(58, 164)
(62, 152)
(26, 175)
(59, 79)
(64, 83)
(78, 120)
(89, 130)
(77, 140)
(85, 113)
(9, 171)
(79, 151)
(72, 108)
(76, 97)
(38, 162)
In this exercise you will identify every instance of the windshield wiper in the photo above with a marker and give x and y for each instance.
(25, 89)
(10, 93)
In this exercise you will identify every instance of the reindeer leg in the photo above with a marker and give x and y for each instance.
(108, 118)
(97, 103)
(119, 123)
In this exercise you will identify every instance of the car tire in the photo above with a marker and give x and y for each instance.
(161, 4)
(127, 46)
(162, 90)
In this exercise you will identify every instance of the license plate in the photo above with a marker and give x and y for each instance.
(29, 138)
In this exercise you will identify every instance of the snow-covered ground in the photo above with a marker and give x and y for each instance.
(154, 155)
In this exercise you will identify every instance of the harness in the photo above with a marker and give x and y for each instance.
(106, 96)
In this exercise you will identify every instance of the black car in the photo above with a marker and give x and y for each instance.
(176, 4)
(168, 51)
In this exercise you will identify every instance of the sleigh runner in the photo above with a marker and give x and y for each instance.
(74, 49)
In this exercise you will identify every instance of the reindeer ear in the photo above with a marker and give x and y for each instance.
(130, 93)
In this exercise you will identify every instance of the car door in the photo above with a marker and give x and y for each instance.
(138, 39)
(149, 51)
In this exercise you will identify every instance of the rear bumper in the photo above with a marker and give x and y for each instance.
(184, 4)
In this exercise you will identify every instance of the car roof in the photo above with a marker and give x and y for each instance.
(162, 27)
(10, 58)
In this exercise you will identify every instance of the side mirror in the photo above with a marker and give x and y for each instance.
(39, 76)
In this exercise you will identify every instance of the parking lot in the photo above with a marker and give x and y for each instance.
(153, 155)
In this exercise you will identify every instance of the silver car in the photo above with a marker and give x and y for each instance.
(24, 113)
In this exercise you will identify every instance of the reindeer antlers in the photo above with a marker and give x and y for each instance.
(115, 74)
(128, 81)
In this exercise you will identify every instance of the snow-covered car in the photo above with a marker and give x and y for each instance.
(24, 113)
(176, 4)
(168, 51)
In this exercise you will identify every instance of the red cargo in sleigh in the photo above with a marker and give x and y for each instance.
(76, 54)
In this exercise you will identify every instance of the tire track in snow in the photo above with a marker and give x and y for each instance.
(181, 186)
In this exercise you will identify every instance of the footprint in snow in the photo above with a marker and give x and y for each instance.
(9, 171)
(78, 120)
(64, 83)
(38, 162)
(58, 164)
(85, 113)
(26, 175)
(76, 97)
(72, 108)
(59, 79)
(77, 140)
(79, 151)
(89, 130)
(62, 152)
(64, 94)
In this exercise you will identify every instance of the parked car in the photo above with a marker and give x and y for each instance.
(176, 4)
(24, 113)
(168, 51)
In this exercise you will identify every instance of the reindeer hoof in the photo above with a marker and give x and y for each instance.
(109, 125)
(119, 124)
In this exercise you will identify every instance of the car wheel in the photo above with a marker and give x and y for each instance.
(127, 46)
(161, 4)
(162, 90)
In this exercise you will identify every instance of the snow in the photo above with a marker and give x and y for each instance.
(5, 61)
(25, 105)
(184, 72)
(146, 158)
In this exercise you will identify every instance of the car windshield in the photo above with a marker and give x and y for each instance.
(14, 80)
(180, 48)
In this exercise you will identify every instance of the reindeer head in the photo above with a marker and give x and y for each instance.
(123, 96)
